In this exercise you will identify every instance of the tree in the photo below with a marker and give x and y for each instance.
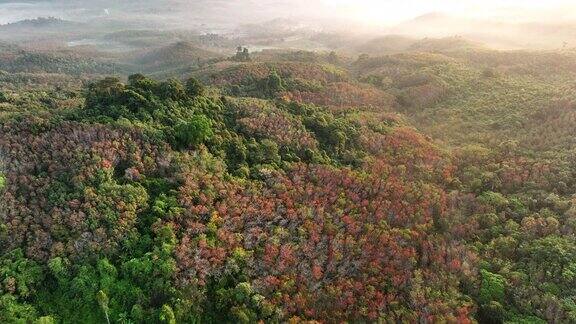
(242, 54)
(167, 315)
(333, 57)
(269, 151)
(492, 313)
(141, 82)
(102, 299)
(274, 84)
(4, 97)
(21, 274)
(492, 287)
(46, 320)
(104, 93)
(193, 132)
(12, 311)
(552, 256)
(194, 88)
(172, 89)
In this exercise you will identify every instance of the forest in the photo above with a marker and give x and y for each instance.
(176, 177)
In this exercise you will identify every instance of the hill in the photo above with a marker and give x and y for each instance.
(222, 186)
(319, 83)
(433, 183)
(388, 44)
(504, 34)
(173, 56)
(15, 59)
(394, 44)
(446, 44)
(42, 23)
(40, 28)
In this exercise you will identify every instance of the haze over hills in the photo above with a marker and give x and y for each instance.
(496, 33)
(283, 19)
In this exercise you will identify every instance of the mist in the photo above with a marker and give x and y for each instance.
(509, 24)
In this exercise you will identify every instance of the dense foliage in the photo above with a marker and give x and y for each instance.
(415, 187)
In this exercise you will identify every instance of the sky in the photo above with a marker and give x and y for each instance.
(368, 12)
(393, 11)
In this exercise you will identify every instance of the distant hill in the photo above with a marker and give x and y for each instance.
(444, 44)
(6, 48)
(386, 45)
(174, 56)
(393, 44)
(433, 25)
(495, 33)
(15, 59)
(42, 22)
(42, 29)
(143, 38)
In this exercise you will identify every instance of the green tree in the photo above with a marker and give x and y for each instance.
(2, 181)
(167, 315)
(172, 89)
(274, 83)
(493, 199)
(193, 132)
(194, 88)
(102, 299)
(141, 82)
(492, 287)
(269, 151)
(4, 97)
(552, 256)
(12, 311)
(45, 320)
(20, 273)
(492, 313)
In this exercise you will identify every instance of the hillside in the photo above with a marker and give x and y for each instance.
(509, 34)
(221, 186)
(396, 44)
(41, 29)
(40, 22)
(15, 60)
(388, 44)
(173, 56)
(446, 44)
(430, 181)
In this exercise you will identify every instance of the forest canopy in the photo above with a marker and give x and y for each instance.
(282, 173)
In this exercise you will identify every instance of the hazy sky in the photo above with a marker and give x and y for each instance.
(382, 11)
(371, 12)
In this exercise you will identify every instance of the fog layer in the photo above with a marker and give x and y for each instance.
(506, 24)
